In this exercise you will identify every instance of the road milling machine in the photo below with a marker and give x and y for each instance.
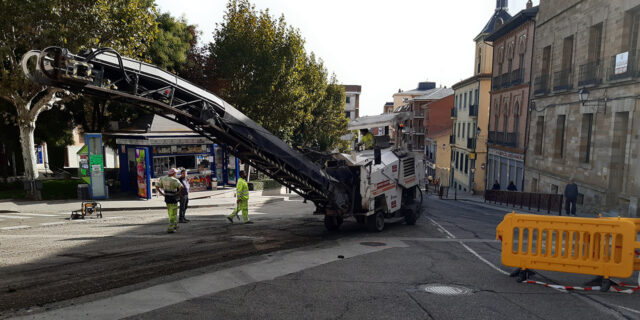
(374, 186)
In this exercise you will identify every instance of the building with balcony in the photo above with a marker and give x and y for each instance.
(402, 98)
(512, 54)
(471, 112)
(414, 127)
(437, 124)
(352, 101)
(589, 46)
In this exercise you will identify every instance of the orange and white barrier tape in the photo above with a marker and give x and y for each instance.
(619, 288)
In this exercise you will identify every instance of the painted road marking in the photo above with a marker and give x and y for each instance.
(16, 227)
(51, 223)
(449, 234)
(34, 214)
(14, 217)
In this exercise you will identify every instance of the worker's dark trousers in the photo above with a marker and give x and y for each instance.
(570, 204)
(184, 202)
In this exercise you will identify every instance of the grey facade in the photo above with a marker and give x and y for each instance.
(591, 45)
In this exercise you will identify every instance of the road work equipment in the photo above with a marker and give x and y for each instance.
(339, 185)
(87, 209)
(602, 247)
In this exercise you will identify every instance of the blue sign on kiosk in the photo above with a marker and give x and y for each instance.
(97, 187)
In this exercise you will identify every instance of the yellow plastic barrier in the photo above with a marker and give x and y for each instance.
(636, 222)
(603, 247)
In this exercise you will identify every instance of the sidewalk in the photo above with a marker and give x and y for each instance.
(203, 199)
(479, 200)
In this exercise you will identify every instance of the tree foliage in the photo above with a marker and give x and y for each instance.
(174, 41)
(259, 64)
(126, 25)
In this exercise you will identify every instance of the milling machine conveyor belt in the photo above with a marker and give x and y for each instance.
(105, 73)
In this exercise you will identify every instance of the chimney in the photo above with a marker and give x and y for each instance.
(529, 4)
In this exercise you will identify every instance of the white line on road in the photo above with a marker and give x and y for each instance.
(16, 227)
(51, 223)
(14, 217)
(34, 214)
(469, 249)
(271, 266)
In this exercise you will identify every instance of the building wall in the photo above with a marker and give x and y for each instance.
(437, 115)
(609, 179)
(443, 159)
(509, 106)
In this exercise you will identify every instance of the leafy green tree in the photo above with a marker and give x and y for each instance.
(171, 47)
(126, 25)
(258, 63)
(255, 63)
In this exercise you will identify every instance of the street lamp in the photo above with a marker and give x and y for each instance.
(444, 146)
(583, 95)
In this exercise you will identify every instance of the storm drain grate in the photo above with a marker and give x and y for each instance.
(445, 290)
(373, 244)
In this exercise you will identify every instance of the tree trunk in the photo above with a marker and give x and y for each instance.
(29, 158)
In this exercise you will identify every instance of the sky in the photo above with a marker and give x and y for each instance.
(381, 45)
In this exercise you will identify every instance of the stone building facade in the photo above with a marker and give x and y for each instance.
(512, 53)
(588, 45)
(471, 112)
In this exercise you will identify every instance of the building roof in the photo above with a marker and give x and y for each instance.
(422, 88)
(517, 20)
(385, 119)
(352, 88)
(435, 94)
(499, 15)
(152, 123)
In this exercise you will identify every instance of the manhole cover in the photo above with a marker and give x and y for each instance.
(445, 289)
(373, 244)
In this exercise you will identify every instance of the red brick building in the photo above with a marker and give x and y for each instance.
(437, 119)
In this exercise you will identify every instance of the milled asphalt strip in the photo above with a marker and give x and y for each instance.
(278, 264)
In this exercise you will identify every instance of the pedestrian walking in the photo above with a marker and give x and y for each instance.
(170, 188)
(496, 186)
(184, 196)
(571, 197)
(242, 195)
(512, 186)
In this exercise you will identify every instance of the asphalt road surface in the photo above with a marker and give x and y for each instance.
(285, 266)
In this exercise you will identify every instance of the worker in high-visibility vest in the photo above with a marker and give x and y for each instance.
(367, 139)
(242, 195)
(170, 187)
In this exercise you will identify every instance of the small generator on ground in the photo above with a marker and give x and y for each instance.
(88, 208)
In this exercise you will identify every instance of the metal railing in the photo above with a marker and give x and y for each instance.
(539, 201)
(473, 110)
(590, 73)
(505, 80)
(495, 83)
(562, 80)
(517, 77)
(508, 139)
(623, 71)
(541, 85)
